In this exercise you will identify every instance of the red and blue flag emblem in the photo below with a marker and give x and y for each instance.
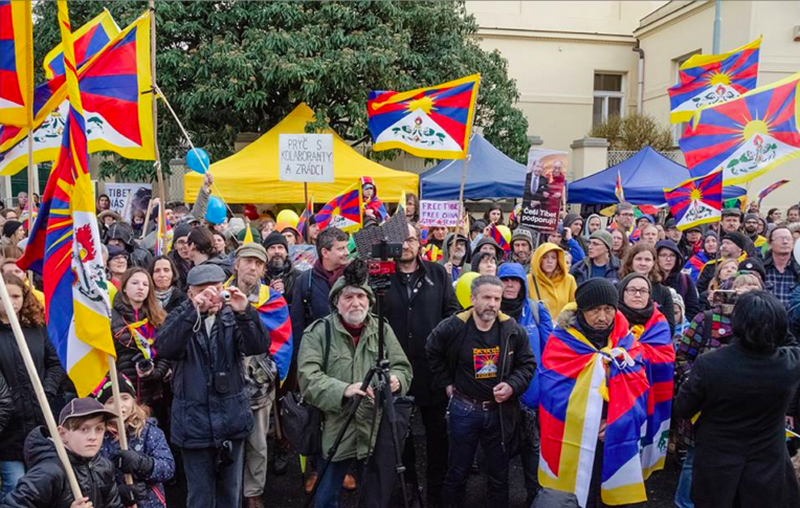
(89, 40)
(747, 136)
(498, 237)
(696, 201)
(426, 122)
(343, 211)
(16, 61)
(706, 80)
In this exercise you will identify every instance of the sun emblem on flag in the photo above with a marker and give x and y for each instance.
(425, 103)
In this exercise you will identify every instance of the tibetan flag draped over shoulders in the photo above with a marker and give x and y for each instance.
(575, 381)
(746, 136)
(696, 201)
(88, 40)
(658, 355)
(343, 211)
(65, 248)
(114, 87)
(16, 61)
(706, 80)
(426, 122)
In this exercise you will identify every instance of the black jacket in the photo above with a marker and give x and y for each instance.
(288, 276)
(204, 413)
(663, 297)
(149, 389)
(309, 303)
(45, 482)
(445, 342)
(6, 403)
(413, 317)
(27, 414)
(741, 451)
(183, 267)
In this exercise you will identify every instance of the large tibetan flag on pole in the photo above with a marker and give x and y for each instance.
(576, 381)
(115, 92)
(65, 248)
(88, 40)
(16, 61)
(432, 122)
(746, 136)
(706, 80)
(696, 201)
(343, 211)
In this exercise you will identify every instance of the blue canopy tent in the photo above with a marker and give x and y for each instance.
(644, 177)
(490, 174)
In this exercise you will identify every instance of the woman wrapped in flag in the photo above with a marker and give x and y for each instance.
(650, 327)
(593, 403)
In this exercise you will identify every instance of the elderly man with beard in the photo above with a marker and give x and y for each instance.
(335, 356)
(420, 297)
(455, 255)
(483, 359)
(280, 273)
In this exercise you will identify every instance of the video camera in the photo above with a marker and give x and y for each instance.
(382, 263)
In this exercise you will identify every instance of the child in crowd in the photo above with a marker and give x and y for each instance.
(148, 457)
(81, 425)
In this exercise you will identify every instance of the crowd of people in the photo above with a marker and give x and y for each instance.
(649, 326)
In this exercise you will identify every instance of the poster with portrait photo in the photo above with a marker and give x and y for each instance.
(545, 185)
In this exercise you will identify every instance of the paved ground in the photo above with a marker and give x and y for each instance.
(287, 490)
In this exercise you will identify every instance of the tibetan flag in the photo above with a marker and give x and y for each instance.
(498, 237)
(746, 136)
(707, 80)
(304, 218)
(575, 381)
(89, 40)
(696, 201)
(618, 191)
(343, 211)
(766, 191)
(117, 104)
(432, 122)
(64, 247)
(401, 203)
(16, 61)
(658, 355)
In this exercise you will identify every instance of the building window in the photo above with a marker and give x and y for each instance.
(608, 97)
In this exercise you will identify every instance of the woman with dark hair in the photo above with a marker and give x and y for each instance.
(484, 263)
(670, 261)
(641, 259)
(742, 393)
(25, 412)
(412, 207)
(103, 203)
(165, 282)
(135, 317)
(774, 216)
(494, 215)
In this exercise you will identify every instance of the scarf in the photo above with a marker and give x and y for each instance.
(329, 276)
(598, 338)
(164, 296)
(354, 331)
(514, 307)
(637, 316)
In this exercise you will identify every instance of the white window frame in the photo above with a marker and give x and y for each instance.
(605, 95)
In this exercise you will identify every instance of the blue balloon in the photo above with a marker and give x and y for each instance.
(198, 160)
(216, 211)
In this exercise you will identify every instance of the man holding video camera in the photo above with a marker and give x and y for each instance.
(206, 338)
(421, 295)
(336, 354)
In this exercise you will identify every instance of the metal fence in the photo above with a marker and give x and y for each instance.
(614, 157)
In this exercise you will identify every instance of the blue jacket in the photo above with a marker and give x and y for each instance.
(538, 332)
(576, 251)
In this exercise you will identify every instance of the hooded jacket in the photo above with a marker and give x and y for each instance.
(586, 226)
(446, 255)
(681, 282)
(374, 204)
(582, 239)
(537, 323)
(45, 482)
(484, 241)
(555, 292)
(516, 363)
(123, 232)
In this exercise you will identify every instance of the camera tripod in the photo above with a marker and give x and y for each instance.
(380, 372)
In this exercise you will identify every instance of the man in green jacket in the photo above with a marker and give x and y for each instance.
(329, 379)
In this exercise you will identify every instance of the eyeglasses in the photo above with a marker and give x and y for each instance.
(626, 214)
(181, 243)
(411, 240)
(637, 292)
(667, 255)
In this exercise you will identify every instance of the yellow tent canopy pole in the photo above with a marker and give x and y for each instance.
(251, 175)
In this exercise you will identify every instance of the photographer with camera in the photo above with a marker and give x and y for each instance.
(280, 274)
(206, 338)
(335, 356)
(420, 297)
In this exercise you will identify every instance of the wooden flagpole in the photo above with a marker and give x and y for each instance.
(38, 389)
(123, 437)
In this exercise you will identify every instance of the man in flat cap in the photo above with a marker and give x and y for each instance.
(211, 417)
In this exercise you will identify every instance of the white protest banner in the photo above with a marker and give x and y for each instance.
(438, 213)
(128, 197)
(305, 157)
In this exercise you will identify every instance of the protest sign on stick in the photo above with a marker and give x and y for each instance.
(305, 158)
(544, 190)
(439, 213)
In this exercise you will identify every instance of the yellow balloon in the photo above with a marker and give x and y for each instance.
(505, 232)
(463, 289)
(288, 216)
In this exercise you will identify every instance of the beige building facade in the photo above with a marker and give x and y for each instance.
(576, 62)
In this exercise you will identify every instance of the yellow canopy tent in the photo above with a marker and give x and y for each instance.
(251, 175)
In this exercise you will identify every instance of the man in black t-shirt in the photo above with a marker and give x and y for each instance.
(482, 358)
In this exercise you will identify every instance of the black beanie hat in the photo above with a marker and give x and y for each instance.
(738, 238)
(11, 227)
(181, 230)
(596, 292)
(103, 392)
(275, 238)
(754, 265)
